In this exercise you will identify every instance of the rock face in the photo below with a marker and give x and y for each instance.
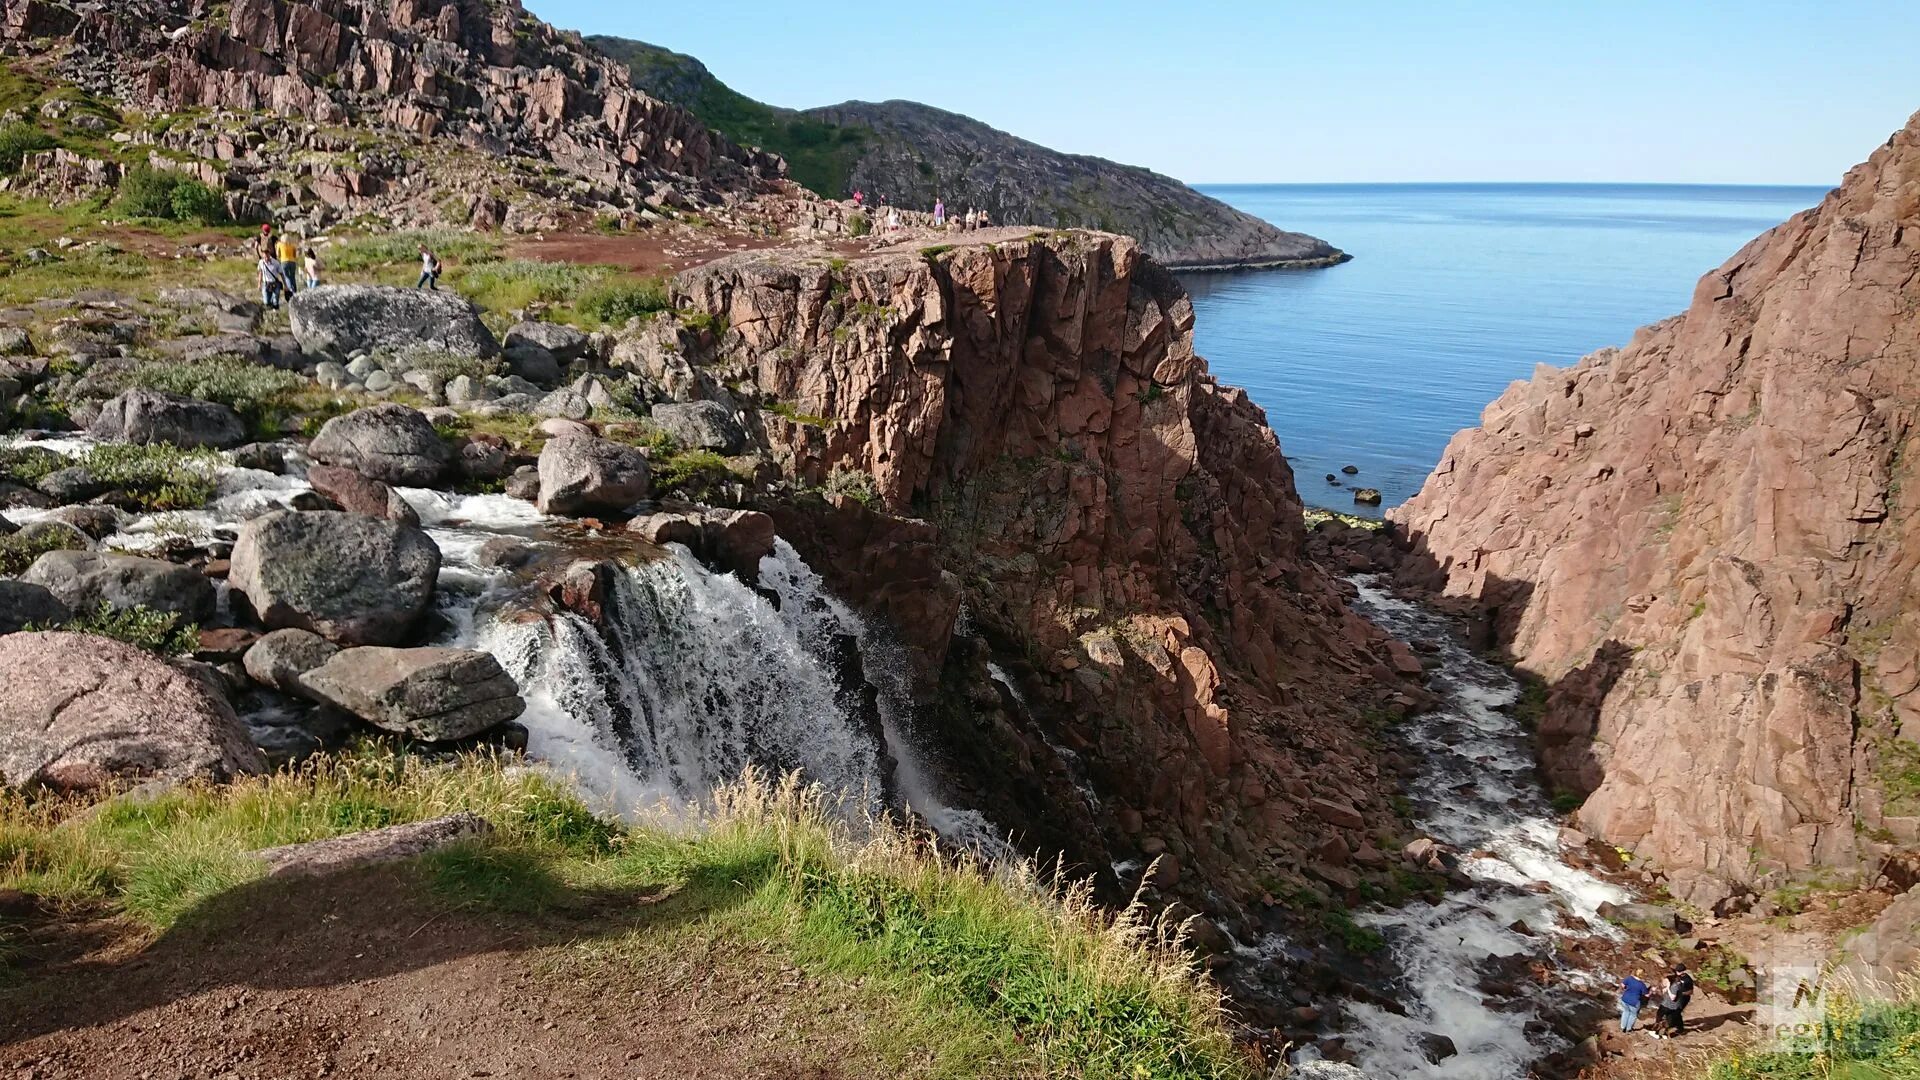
(913, 153)
(84, 580)
(390, 443)
(730, 541)
(352, 579)
(700, 425)
(23, 605)
(1704, 543)
(582, 474)
(151, 416)
(77, 712)
(521, 100)
(1030, 434)
(336, 321)
(432, 694)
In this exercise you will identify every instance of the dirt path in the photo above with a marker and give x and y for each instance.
(361, 976)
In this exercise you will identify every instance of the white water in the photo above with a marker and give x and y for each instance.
(1480, 795)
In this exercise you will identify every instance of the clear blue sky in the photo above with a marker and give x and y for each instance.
(1760, 91)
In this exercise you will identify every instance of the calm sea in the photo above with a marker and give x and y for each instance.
(1455, 290)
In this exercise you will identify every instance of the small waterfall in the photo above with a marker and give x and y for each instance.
(1481, 796)
(694, 677)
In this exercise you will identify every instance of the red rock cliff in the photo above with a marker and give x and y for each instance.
(1120, 529)
(1706, 543)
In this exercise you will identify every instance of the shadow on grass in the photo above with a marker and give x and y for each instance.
(354, 926)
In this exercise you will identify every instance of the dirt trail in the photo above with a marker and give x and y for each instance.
(360, 976)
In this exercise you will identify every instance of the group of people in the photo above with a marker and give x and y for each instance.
(890, 220)
(284, 260)
(1669, 1000)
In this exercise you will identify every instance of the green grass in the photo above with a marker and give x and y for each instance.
(693, 473)
(17, 140)
(615, 301)
(1873, 1035)
(512, 284)
(141, 477)
(792, 412)
(458, 250)
(998, 973)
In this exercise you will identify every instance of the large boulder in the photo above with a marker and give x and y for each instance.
(352, 579)
(339, 320)
(280, 658)
(145, 417)
(85, 580)
(582, 474)
(389, 442)
(731, 541)
(701, 425)
(562, 342)
(23, 605)
(361, 494)
(433, 694)
(78, 712)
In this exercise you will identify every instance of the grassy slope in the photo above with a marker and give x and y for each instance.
(982, 975)
(819, 155)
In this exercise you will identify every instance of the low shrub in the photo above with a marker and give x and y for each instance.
(859, 225)
(19, 550)
(17, 140)
(155, 631)
(384, 251)
(613, 303)
(146, 192)
(693, 473)
(516, 283)
(158, 477)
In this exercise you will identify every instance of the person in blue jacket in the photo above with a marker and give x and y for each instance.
(1633, 994)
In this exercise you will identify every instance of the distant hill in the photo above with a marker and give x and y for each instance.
(912, 153)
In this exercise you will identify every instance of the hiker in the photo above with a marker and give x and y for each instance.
(1633, 994)
(313, 268)
(263, 245)
(429, 270)
(271, 283)
(981, 223)
(893, 220)
(939, 214)
(1673, 1004)
(288, 253)
(859, 198)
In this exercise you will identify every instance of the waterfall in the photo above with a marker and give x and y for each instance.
(693, 677)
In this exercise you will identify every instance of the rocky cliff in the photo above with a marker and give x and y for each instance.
(1705, 543)
(913, 154)
(1092, 549)
(372, 88)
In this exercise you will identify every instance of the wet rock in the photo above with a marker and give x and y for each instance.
(1366, 496)
(700, 425)
(1665, 918)
(145, 417)
(24, 605)
(524, 483)
(506, 553)
(266, 457)
(1350, 470)
(584, 475)
(1435, 1047)
(278, 659)
(224, 645)
(80, 712)
(730, 541)
(359, 494)
(483, 457)
(86, 580)
(338, 320)
(391, 443)
(352, 579)
(430, 693)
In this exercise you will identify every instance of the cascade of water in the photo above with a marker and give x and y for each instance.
(1481, 797)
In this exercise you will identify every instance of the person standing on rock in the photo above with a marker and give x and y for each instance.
(939, 214)
(429, 270)
(1633, 994)
(859, 198)
(288, 252)
(312, 266)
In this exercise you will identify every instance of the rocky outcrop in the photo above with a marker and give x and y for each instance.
(553, 119)
(152, 416)
(433, 694)
(390, 443)
(352, 579)
(913, 154)
(84, 581)
(730, 541)
(700, 425)
(359, 494)
(281, 657)
(1121, 529)
(338, 321)
(1704, 543)
(24, 606)
(582, 474)
(80, 712)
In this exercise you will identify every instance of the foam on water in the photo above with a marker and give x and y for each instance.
(1481, 795)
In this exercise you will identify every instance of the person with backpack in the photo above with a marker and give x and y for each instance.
(272, 284)
(429, 270)
(1633, 994)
